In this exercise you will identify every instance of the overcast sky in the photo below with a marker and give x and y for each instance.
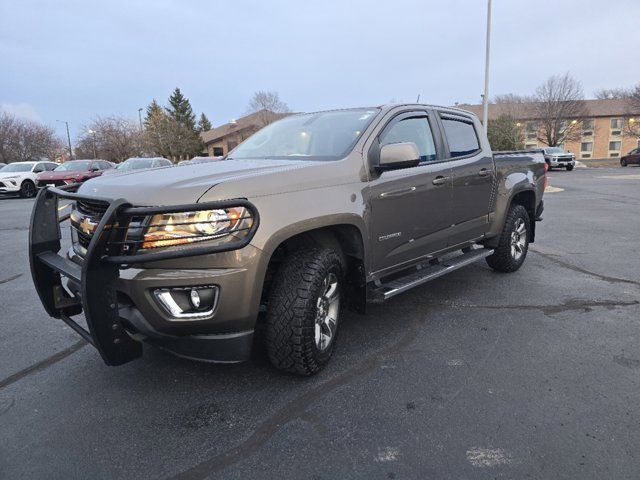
(73, 60)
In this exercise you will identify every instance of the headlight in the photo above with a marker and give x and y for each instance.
(10, 178)
(181, 228)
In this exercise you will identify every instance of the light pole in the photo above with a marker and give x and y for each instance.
(93, 136)
(485, 97)
(68, 138)
(140, 117)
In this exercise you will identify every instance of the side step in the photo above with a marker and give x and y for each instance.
(392, 288)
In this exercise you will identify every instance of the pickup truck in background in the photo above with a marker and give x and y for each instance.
(313, 214)
(557, 157)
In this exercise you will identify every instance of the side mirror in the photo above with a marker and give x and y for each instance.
(94, 169)
(394, 156)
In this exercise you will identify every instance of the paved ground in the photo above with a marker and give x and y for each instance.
(475, 375)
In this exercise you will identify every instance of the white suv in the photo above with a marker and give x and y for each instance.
(20, 177)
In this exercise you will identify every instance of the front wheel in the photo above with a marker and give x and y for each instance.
(569, 168)
(27, 189)
(513, 244)
(623, 163)
(304, 310)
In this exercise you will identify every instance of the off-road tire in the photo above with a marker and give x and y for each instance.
(569, 168)
(502, 260)
(28, 189)
(292, 310)
(623, 162)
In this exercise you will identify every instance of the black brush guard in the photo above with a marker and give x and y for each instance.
(100, 270)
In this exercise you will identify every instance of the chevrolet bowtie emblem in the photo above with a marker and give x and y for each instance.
(87, 226)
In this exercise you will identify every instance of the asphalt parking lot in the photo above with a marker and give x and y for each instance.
(535, 374)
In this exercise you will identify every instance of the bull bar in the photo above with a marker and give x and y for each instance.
(98, 274)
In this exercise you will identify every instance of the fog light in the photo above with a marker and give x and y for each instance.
(187, 303)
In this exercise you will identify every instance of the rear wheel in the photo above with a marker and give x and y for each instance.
(27, 189)
(513, 244)
(304, 309)
(623, 162)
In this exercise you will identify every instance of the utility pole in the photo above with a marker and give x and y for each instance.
(140, 117)
(68, 138)
(485, 97)
(93, 136)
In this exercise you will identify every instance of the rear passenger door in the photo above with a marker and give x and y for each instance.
(472, 172)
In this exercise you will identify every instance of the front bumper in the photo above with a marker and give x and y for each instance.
(562, 162)
(9, 186)
(117, 298)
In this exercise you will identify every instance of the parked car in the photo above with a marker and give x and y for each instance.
(21, 177)
(139, 163)
(198, 160)
(73, 171)
(557, 157)
(631, 158)
(314, 213)
(2, 164)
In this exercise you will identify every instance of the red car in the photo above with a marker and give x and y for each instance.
(631, 158)
(73, 171)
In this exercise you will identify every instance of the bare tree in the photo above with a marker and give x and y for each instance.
(110, 138)
(22, 140)
(632, 123)
(266, 104)
(609, 93)
(559, 104)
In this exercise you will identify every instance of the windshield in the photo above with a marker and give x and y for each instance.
(74, 166)
(315, 136)
(554, 150)
(17, 167)
(135, 164)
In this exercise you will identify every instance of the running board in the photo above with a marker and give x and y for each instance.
(392, 288)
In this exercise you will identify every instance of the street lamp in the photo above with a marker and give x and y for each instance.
(485, 97)
(93, 136)
(68, 138)
(140, 117)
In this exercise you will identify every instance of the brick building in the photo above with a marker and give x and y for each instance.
(606, 131)
(221, 140)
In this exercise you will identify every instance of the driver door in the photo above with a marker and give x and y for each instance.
(410, 208)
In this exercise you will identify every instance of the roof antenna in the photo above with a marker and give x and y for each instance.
(418, 100)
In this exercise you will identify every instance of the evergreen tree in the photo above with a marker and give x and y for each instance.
(180, 109)
(204, 124)
(153, 112)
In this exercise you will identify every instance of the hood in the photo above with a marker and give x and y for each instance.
(185, 184)
(61, 175)
(13, 174)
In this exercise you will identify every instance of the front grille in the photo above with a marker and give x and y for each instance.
(93, 208)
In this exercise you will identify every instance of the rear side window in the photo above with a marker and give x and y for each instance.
(461, 137)
(416, 130)
(105, 165)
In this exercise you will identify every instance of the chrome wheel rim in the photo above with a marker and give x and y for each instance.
(28, 190)
(328, 306)
(518, 239)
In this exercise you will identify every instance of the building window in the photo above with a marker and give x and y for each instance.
(529, 146)
(532, 135)
(531, 127)
(616, 123)
(218, 152)
(615, 146)
(585, 155)
(587, 124)
(586, 147)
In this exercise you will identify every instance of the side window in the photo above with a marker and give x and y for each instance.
(105, 165)
(50, 167)
(461, 137)
(38, 168)
(416, 130)
(94, 165)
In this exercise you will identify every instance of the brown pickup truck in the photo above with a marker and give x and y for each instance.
(312, 214)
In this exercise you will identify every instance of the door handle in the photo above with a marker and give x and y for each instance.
(484, 172)
(440, 180)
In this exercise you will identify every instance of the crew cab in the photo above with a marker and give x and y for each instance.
(557, 157)
(73, 171)
(21, 177)
(313, 214)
